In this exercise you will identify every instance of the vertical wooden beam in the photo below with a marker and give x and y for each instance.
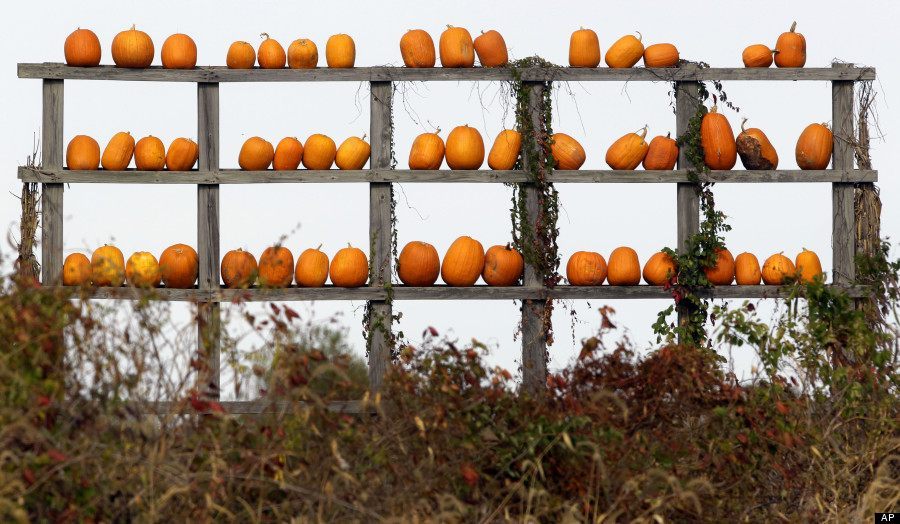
(52, 194)
(381, 229)
(843, 218)
(687, 195)
(208, 317)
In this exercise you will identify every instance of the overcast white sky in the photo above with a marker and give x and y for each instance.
(766, 218)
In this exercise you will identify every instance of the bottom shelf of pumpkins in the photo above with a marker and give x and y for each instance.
(418, 265)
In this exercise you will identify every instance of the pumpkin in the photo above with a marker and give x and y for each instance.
(662, 154)
(132, 49)
(661, 55)
(463, 262)
(276, 267)
(491, 49)
(271, 54)
(746, 270)
(465, 148)
(287, 155)
(628, 152)
(149, 154)
(142, 270)
(303, 54)
(814, 147)
(418, 264)
(349, 267)
(809, 268)
(659, 269)
(755, 149)
(624, 267)
(182, 154)
(256, 154)
(417, 49)
(241, 55)
(118, 152)
(82, 48)
(83, 152)
(586, 268)
(776, 268)
(76, 270)
(427, 151)
(717, 139)
(239, 269)
(179, 266)
(505, 150)
(319, 152)
(456, 48)
(625, 52)
(722, 274)
(353, 153)
(340, 51)
(107, 266)
(790, 49)
(567, 152)
(312, 268)
(503, 266)
(757, 55)
(179, 52)
(584, 49)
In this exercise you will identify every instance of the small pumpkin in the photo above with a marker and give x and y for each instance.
(182, 154)
(288, 154)
(132, 49)
(417, 49)
(179, 52)
(276, 267)
(661, 55)
(271, 54)
(584, 48)
(814, 147)
(503, 266)
(303, 54)
(809, 268)
(256, 154)
(353, 153)
(717, 139)
(149, 154)
(107, 267)
(505, 150)
(659, 269)
(239, 269)
(465, 148)
(142, 270)
(491, 49)
(790, 49)
(628, 151)
(349, 267)
(463, 262)
(586, 268)
(340, 51)
(118, 153)
(418, 264)
(755, 149)
(319, 152)
(83, 153)
(722, 274)
(76, 270)
(662, 154)
(427, 151)
(757, 55)
(567, 152)
(179, 266)
(746, 270)
(625, 52)
(624, 267)
(82, 48)
(312, 268)
(241, 55)
(776, 269)
(456, 48)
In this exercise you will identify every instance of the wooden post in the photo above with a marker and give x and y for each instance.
(843, 218)
(52, 194)
(688, 194)
(208, 318)
(380, 233)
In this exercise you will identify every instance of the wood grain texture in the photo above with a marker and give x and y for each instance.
(843, 217)
(52, 151)
(687, 194)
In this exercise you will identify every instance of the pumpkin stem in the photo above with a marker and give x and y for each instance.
(668, 134)
(643, 133)
(264, 36)
(640, 36)
(133, 27)
(794, 26)
(364, 136)
(744, 124)
(319, 247)
(714, 109)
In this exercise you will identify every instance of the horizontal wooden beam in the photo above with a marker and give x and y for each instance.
(237, 176)
(248, 407)
(387, 74)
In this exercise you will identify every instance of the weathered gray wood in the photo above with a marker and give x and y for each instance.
(843, 218)
(52, 149)
(251, 407)
(237, 176)
(389, 74)
(687, 193)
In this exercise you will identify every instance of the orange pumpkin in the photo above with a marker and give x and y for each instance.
(239, 269)
(287, 155)
(776, 269)
(456, 48)
(149, 154)
(418, 264)
(312, 268)
(319, 152)
(814, 147)
(107, 267)
(659, 269)
(746, 270)
(717, 139)
(179, 52)
(505, 150)
(276, 267)
(349, 267)
(132, 49)
(465, 148)
(340, 51)
(628, 151)
(661, 55)
(118, 152)
(417, 49)
(142, 270)
(584, 49)
(76, 270)
(809, 268)
(179, 266)
(303, 54)
(757, 55)
(624, 267)
(353, 153)
(662, 154)
(503, 266)
(83, 152)
(625, 52)
(182, 154)
(586, 268)
(755, 149)
(427, 151)
(491, 49)
(271, 54)
(722, 274)
(567, 152)
(463, 262)
(82, 48)
(790, 49)
(256, 154)
(241, 55)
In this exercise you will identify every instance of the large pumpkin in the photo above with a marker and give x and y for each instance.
(661, 55)
(566, 151)
(353, 153)
(76, 270)
(491, 49)
(417, 49)
(755, 149)
(808, 266)
(276, 267)
(746, 270)
(179, 52)
(149, 154)
(132, 49)
(722, 274)
(757, 55)
(312, 268)
(624, 267)
(717, 139)
(349, 267)
(239, 269)
(303, 54)
(241, 55)
(776, 268)
(340, 51)
(271, 54)
(256, 154)
(182, 154)
(505, 150)
(790, 49)
(628, 151)
(83, 152)
(82, 48)
(142, 270)
(463, 262)
(814, 147)
(503, 266)
(418, 264)
(659, 269)
(319, 152)
(118, 152)
(179, 266)
(584, 49)
(586, 268)
(456, 48)
(427, 151)
(625, 52)
(288, 154)
(662, 154)
(107, 266)
(465, 148)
